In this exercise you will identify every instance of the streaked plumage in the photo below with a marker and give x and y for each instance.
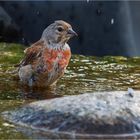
(46, 60)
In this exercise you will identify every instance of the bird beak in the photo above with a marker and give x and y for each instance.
(72, 32)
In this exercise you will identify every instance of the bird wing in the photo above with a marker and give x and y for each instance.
(32, 53)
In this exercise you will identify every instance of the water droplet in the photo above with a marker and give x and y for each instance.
(112, 21)
(98, 12)
(23, 39)
(38, 12)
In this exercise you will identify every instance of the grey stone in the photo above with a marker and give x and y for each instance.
(100, 114)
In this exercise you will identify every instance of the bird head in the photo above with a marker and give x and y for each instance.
(58, 32)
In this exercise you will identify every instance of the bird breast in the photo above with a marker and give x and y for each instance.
(56, 59)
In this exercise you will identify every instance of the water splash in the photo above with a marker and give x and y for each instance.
(112, 21)
(130, 41)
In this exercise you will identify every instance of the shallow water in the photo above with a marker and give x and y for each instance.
(84, 74)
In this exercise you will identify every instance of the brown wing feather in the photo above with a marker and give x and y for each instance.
(32, 53)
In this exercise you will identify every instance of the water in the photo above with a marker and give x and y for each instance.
(84, 74)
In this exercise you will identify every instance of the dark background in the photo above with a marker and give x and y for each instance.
(104, 27)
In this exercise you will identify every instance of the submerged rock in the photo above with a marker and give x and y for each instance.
(99, 114)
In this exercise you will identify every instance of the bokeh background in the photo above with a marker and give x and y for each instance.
(104, 27)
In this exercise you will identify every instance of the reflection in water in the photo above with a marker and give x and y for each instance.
(37, 93)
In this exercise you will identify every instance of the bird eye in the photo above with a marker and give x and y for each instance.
(60, 29)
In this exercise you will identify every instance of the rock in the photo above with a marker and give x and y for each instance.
(9, 30)
(99, 114)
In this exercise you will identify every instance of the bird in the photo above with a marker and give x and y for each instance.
(46, 60)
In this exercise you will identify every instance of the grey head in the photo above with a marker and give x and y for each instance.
(58, 32)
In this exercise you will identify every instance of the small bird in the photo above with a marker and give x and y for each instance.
(46, 60)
